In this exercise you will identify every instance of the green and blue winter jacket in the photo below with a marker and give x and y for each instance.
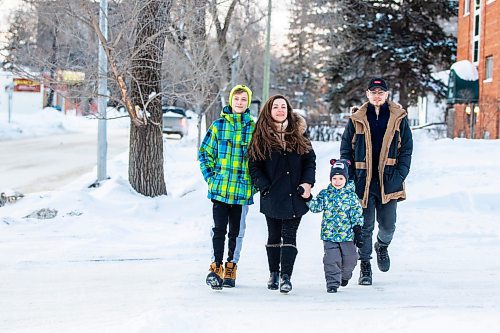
(223, 158)
(341, 212)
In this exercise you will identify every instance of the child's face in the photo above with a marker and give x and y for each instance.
(338, 181)
(239, 102)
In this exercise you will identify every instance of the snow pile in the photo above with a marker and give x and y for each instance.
(51, 121)
(465, 70)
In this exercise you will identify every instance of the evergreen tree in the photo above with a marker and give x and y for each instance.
(299, 71)
(400, 40)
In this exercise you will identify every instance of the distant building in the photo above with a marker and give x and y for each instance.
(26, 95)
(428, 109)
(478, 41)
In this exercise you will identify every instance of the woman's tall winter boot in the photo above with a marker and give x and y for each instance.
(288, 255)
(273, 258)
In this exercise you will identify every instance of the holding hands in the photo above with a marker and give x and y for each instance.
(304, 190)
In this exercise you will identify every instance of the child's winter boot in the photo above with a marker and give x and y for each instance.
(229, 275)
(215, 277)
(331, 290)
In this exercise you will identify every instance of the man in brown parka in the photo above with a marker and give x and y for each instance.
(378, 142)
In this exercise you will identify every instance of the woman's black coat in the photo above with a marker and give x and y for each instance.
(278, 177)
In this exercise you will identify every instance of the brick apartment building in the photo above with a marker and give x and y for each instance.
(478, 41)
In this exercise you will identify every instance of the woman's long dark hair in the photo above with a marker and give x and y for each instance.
(266, 138)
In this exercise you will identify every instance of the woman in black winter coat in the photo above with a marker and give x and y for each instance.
(282, 165)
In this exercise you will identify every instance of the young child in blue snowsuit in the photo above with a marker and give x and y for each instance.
(341, 225)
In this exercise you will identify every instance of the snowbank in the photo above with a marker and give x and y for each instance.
(50, 121)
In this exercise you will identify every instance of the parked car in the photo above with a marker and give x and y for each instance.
(175, 120)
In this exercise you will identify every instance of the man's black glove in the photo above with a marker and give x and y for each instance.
(358, 238)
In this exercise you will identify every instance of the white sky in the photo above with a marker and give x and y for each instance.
(279, 22)
(279, 19)
(6, 7)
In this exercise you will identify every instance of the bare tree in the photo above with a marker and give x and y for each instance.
(143, 102)
(199, 67)
(146, 140)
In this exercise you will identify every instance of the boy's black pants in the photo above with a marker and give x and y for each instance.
(225, 214)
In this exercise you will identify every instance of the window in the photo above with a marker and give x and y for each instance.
(476, 25)
(476, 31)
(488, 64)
(466, 7)
(475, 51)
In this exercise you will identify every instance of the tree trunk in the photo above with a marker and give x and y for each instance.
(213, 112)
(146, 141)
(52, 68)
(403, 95)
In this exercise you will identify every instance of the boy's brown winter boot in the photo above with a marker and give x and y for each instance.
(230, 275)
(215, 276)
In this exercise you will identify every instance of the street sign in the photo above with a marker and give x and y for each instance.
(26, 85)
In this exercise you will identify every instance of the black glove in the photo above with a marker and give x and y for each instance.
(300, 190)
(358, 238)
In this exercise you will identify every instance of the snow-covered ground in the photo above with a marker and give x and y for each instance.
(49, 121)
(47, 149)
(115, 261)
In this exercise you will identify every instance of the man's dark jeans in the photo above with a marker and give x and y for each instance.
(386, 218)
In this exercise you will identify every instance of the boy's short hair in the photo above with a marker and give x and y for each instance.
(238, 89)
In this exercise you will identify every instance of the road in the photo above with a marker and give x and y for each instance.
(49, 162)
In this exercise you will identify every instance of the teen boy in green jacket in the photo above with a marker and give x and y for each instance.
(224, 166)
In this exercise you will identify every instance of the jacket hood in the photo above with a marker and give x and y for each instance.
(300, 121)
(228, 114)
(349, 187)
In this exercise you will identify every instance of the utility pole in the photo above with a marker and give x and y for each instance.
(267, 56)
(9, 88)
(102, 144)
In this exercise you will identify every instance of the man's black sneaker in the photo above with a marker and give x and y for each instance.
(344, 282)
(383, 260)
(365, 274)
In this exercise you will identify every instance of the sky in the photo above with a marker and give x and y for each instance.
(113, 260)
(279, 20)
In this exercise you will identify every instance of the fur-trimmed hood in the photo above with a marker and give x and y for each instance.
(301, 122)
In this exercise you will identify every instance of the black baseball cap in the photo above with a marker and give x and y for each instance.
(378, 82)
